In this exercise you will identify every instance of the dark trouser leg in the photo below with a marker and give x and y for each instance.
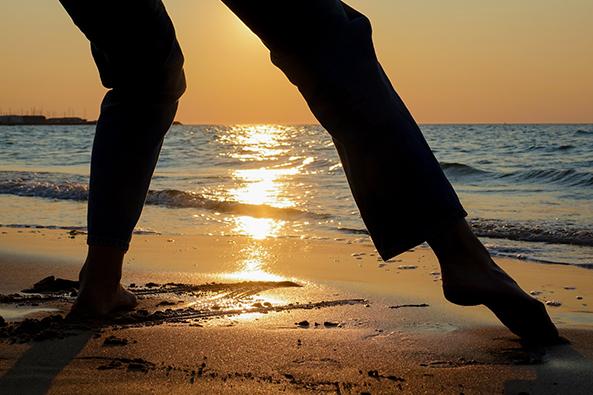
(139, 58)
(325, 48)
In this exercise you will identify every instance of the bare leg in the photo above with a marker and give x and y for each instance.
(471, 277)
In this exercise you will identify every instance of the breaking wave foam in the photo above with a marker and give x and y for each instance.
(168, 198)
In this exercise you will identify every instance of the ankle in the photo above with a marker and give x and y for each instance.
(102, 264)
(457, 242)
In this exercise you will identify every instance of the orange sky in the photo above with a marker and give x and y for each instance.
(453, 61)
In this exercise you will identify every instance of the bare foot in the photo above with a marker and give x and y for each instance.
(471, 277)
(100, 291)
(490, 286)
(98, 302)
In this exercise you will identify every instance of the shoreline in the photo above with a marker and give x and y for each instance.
(351, 265)
(351, 235)
(404, 337)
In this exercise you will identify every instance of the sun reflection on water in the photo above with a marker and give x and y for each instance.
(262, 186)
(256, 142)
(257, 228)
(253, 266)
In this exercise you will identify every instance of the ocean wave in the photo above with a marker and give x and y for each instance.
(532, 232)
(79, 229)
(460, 169)
(568, 177)
(168, 198)
(522, 254)
(584, 132)
(353, 231)
(519, 231)
(183, 199)
(549, 148)
(44, 189)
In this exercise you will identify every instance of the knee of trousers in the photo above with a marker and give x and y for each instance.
(143, 78)
(134, 45)
(307, 58)
(341, 80)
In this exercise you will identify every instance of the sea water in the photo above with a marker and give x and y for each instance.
(528, 189)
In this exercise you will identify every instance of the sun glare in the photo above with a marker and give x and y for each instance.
(262, 186)
(253, 264)
(257, 228)
(265, 185)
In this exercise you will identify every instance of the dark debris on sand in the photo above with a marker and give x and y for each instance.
(52, 284)
(185, 315)
(194, 373)
(31, 300)
(47, 290)
(51, 289)
(74, 232)
(460, 362)
(111, 341)
(47, 328)
(131, 365)
(245, 288)
(399, 306)
(376, 375)
(303, 324)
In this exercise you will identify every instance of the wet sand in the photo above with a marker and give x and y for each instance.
(233, 314)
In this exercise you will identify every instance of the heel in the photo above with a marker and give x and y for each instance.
(462, 296)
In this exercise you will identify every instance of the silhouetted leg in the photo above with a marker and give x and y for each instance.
(325, 48)
(139, 58)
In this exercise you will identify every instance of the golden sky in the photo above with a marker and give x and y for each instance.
(451, 61)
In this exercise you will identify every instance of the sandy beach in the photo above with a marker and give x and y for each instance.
(252, 153)
(330, 317)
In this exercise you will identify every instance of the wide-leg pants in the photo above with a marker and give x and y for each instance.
(325, 48)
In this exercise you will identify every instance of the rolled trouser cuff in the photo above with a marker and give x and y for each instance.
(390, 247)
(107, 241)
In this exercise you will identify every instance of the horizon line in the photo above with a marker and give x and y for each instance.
(419, 123)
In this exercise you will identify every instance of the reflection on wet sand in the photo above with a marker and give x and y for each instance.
(255, 261)
(265, 185)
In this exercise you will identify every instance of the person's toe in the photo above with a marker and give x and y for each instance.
(527, 318)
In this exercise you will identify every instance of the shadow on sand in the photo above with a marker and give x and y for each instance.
(34, 372)
(564, 371)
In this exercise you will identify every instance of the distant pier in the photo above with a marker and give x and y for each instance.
(12, 120)
(42, 120)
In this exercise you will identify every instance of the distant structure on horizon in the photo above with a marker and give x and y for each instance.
(42, 120)
(12, 120)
